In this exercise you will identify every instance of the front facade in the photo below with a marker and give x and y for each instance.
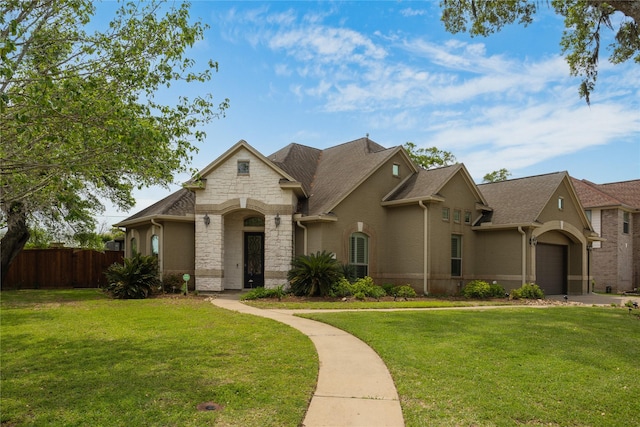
(373, 208)
(614, 211)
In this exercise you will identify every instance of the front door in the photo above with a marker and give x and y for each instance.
(253, 260)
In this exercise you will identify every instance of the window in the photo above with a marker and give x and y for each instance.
(155, 245)
(396, 169)
(359, 254)
(456, 215)
(243, 167)
(625, 222)
(134, 246)
(445, 214)
(467, 217)
(561, 203)
(456, 255)
(588, 214)
(254, 221)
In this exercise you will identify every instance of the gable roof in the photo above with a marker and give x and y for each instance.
(521, 201)
(176, 205)
(341, 169)
(242, 144)
(427, 184)
(616, 194)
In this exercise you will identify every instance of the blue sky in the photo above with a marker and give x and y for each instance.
(324, 73)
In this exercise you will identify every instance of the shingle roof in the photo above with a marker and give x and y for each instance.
(624, 193)
(299, 161)
(520, 201)
(424, 184)
(180, 203)
(341, 168)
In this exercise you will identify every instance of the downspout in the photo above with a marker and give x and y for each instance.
(161, 245)
(524, 255)
(425, 261)
(304, 232)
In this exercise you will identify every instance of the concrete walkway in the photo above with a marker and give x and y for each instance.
(354, 386)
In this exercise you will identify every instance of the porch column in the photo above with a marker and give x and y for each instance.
(209, 254)
(278, 249)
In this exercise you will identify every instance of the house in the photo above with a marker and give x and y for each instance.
(614, 212)
(240, 222)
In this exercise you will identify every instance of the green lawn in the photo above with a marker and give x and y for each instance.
(561, 366)
(77, 358)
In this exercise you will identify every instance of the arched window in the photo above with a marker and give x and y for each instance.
(155, 245)
(359, 253)
(134, 246)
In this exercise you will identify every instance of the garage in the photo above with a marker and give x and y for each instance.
(551, 272)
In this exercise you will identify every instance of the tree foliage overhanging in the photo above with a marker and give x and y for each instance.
(80, 118)
(584, 20)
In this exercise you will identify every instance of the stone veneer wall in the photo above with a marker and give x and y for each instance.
(226, 193)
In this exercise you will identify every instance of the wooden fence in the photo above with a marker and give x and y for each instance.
(60, 268)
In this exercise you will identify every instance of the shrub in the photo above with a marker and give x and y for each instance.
(134, 279)
(404, 291)
(482, 289)
(528, 291)
(258, 293)
(360, 289)
(172, 283)
(342, 288)
(314, 274)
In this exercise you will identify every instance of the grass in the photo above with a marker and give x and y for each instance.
(561, 366)
(77, 358)
(366, 305)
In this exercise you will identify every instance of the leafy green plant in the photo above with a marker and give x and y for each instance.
(314, 274)
(482, 289)
(134, 279)
(528, 291)
(404, 291)
(360, 289)
(259, 293)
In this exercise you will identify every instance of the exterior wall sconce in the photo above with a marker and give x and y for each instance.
(277, 220)
(206, 219)
(533, 241)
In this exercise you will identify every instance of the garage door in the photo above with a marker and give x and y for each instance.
(551, 261)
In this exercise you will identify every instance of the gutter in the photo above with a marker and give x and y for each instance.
(425, 261)
(305, 236)
(160, 245)
(524, 254)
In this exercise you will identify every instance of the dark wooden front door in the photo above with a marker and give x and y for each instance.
(253, 260)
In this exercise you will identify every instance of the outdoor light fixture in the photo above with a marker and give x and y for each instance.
(277, 219)
(533, 241)
(206, 219)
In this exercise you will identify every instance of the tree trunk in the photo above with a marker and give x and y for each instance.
(15, 238)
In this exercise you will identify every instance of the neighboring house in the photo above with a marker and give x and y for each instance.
(614, 212)
(247, 215)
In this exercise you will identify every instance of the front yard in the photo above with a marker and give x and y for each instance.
(79, 358)
(557, 366)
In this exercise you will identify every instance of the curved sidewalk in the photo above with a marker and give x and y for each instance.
(354, 386)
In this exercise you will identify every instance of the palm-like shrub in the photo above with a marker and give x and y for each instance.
(134, 279)
(314, 274)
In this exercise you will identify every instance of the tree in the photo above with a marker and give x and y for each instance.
(428, 158)
(584, 22)
(497, 176)
(79, 118)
